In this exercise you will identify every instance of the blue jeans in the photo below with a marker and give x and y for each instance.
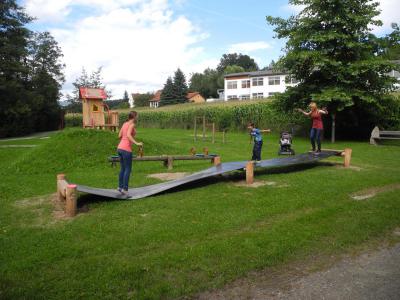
(126, 167)
(257, 150)
(315, 134)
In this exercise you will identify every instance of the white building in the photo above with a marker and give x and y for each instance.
(258, 84)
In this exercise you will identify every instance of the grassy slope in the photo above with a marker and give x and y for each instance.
(194, 238)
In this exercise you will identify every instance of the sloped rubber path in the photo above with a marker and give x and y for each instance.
(142, 192)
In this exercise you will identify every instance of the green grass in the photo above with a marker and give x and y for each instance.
(194, 238)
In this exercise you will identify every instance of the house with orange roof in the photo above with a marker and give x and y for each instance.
(191, 97)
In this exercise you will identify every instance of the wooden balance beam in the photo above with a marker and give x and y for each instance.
(168, 160)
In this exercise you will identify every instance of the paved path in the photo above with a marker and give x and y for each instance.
(371, 276)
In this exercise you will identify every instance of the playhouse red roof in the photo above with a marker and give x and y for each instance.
(91, 93)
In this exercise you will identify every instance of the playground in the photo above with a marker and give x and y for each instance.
(192, 238)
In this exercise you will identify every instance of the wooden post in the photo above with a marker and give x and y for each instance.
(205, 151)
(195, 129)
(347, 157)
(60, 196)
(217, 160)
(223, 137)
(140, 151)
(193, 151)
(70, 205)
(170, 162)
(204, 127)
(250, 172)
(213, 133)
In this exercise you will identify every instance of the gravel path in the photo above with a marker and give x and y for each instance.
(373, 275)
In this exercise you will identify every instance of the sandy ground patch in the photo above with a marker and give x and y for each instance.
(372, 192)
(168, 176)
(258, 183)
(47, 210)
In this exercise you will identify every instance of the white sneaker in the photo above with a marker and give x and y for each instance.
(125, 192)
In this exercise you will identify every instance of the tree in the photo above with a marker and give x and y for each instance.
(15, 110)
(180, 87)
(46, 80)
(331, 51)
(206, 83)
(167, 94)
(143, 99)
(244, 61)
(126, 96)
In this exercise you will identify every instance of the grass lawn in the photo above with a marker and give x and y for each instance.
(190, 239)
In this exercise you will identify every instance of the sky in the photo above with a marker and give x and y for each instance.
(139, 43)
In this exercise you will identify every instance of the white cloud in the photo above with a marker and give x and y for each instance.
(137, 46)
(390, 13)
(248, 47)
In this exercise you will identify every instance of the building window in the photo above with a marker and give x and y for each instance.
(274, 80)
(232, 84)
(272, 93)
(244, 97)
(258, 81)
(245, 84)
(231, 97)
(258, 95)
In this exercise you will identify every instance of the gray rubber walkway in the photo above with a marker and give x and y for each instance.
(142, 192)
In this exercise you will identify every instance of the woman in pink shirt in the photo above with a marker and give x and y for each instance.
(317, 126)
(127, 138)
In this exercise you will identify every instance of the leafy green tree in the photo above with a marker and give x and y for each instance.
(180, 87)
(244, 61)
(331, 51)
(47, 77)
(15, 109)
(142, 100)
(206, 83)
(167, 95)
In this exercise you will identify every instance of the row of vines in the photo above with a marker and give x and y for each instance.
(233, 118)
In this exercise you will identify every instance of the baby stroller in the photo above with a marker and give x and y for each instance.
(285, 144)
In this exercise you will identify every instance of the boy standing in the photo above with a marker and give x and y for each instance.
(258, 142)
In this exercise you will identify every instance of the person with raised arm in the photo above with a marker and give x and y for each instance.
(317, 126)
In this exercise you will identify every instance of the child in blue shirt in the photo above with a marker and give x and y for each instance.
(258, 142)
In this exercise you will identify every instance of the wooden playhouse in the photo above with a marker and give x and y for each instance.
(95, 113)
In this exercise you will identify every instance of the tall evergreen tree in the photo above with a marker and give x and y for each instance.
(180, 87)
(167, 94)
(15, 109)
(331, 50)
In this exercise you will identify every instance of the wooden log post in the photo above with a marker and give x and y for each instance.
(60, 187)
(70, 204)
(192, 151)
(216, 160)
(205, 151)
(250, 173)
(170, 162)
(347, 157)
